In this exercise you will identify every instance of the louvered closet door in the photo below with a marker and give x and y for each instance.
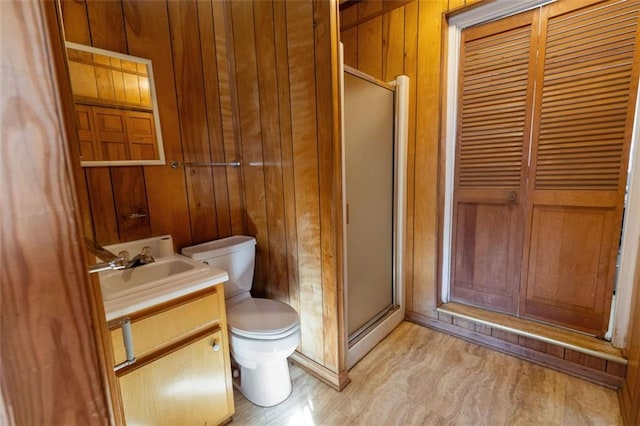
(587, 82)
(492, 140)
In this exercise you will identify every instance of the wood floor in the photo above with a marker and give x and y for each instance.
(418, 376)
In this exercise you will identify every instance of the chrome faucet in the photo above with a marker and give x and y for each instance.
(110, 260)
(120, 261)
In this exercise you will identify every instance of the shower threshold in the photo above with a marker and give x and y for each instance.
(360, 333)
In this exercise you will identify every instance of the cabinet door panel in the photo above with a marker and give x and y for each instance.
(111, 132)
(486, 268)
(185, 387)
(568, 269)
(141, 135)
(89, 148)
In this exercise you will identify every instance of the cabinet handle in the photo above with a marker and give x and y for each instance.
(127, 337)
(216, 346)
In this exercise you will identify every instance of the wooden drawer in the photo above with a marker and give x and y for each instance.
(159, 327)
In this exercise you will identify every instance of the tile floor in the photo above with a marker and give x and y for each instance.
(418, 376)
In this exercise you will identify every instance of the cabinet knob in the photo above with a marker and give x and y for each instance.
(216, 346)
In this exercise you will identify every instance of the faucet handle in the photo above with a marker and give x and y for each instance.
(124, 255)
(145, 255)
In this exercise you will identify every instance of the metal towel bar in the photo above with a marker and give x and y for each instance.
(176, 164)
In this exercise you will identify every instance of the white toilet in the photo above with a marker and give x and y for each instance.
(263, 332)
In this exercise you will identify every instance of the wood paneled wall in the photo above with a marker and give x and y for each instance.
(629, 394)
(186, 42)
(254, 81)
(286, 73)
(386, 39)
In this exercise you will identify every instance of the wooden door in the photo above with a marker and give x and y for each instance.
(53, 368)
(493, 141)
(586, 82)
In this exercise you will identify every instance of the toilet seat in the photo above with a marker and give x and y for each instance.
(262, 319)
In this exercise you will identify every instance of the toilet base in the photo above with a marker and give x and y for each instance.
(266, 385)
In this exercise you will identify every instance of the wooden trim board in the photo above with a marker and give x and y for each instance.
(546, 333)
(338, 381)
(546, 360)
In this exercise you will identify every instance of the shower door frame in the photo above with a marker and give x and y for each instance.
(391, 318)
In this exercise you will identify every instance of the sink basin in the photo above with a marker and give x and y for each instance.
(171, 276)
(125, 282)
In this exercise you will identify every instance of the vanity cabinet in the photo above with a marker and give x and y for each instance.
(181, 373)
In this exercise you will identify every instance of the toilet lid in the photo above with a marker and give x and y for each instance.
(261, 316)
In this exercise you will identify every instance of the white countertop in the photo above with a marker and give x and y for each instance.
(167, 290)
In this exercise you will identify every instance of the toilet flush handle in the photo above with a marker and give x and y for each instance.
(216, 346)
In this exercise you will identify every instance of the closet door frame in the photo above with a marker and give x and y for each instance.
(452, 30)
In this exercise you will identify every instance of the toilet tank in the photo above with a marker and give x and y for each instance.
(235, 255)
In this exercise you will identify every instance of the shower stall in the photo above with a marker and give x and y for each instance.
(374, 164)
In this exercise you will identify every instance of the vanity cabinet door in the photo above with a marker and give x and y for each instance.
(185, 386)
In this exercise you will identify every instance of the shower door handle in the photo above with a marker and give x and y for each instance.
(347, 213)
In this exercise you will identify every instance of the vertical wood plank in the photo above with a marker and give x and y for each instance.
(370, 39)
(147, 28)
(76, 21)
(187, 60)
(226, 73)
(393, 44)
(129, 194)
(350, 36)
(305, 163)
(54, 375)
(103, 209)
(269, 119)
(288, 183)
(328, 136)
(212, 100)
(426, 162)
(411, 70)
(251, 137)
(106, 20)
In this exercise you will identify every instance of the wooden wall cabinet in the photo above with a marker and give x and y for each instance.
(182, 372)
(115, 134)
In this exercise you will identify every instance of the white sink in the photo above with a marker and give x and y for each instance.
(129, 290)
(125, 282)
